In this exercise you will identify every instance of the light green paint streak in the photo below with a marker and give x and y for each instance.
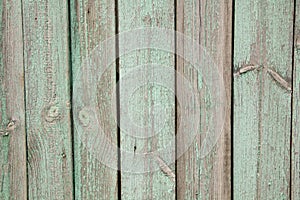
(154, 184)
(263, 37)
(296, 110)
(46, 52)
(92, 22)
(12, 140)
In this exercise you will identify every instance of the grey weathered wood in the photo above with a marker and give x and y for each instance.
(263, 38)
(93, 22)
(13, 184)
(209, 24)
(46, 55)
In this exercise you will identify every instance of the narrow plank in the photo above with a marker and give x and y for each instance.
(208, 24)
(143, 176)
(263, 40)
(295, 193)
(13, 183)
(46, 55)
(92, 23)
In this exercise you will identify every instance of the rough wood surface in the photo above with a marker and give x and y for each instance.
(157, 181)
(46, 55)
(295, 193)
(209, 24)
(13, 183)
(93, 22)
(263, 37)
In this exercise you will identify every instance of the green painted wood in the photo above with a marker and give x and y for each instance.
(46, 55)
(209, 24)
(13, 184)
(263, 37)
(158, 179)
(295, 192)
(93, 22)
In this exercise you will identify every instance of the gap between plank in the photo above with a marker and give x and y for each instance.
(71, 96)
(119, 178)
(292, 103)
(232, 99)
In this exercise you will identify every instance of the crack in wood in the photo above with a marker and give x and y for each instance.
(245, 68)
(280, 80)
(165, 168)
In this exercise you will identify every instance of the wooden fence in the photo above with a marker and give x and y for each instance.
(51, 108)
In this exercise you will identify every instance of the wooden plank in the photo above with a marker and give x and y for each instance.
(46, 54)
(295, 192)
(93, 22)
(144, 177)
(13, 183)
(263, 40)
(209, 24)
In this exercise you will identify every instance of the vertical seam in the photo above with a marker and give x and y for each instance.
(176, 103)
(292, 102)
(117, 70)
(232, 100)
(25, 110)
(71, 96)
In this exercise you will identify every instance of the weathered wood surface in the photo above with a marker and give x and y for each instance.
(158, 181)
(46, 55)
(209, 24)
(295, 193)
(41, 61)
(263, 39)
(13, 183)
(93, 22)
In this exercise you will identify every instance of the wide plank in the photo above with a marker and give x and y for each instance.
(47, 83)
(13, 180)
(263, 39)
(93, 23)
(146, 172)
(203, 170)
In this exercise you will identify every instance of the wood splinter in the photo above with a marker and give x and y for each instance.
(245, 68)
(280, 80)
(165, 169)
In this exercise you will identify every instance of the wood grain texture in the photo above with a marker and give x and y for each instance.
(13, 183)
(263, 38)
(93, 22)
(157, 181)
(295, 193)
(46, 55)
(209, 24)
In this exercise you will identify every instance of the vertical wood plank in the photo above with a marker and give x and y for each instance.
(263, 69)
(150, 182)
(295, 193)
(209, 24)
(46, 54)
(13, 183)
(93, 22)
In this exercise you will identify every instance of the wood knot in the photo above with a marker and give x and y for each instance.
(63, 155)
(147, 19)
(4, 133)
(84, 117)
(52, 113)
(10, 127)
